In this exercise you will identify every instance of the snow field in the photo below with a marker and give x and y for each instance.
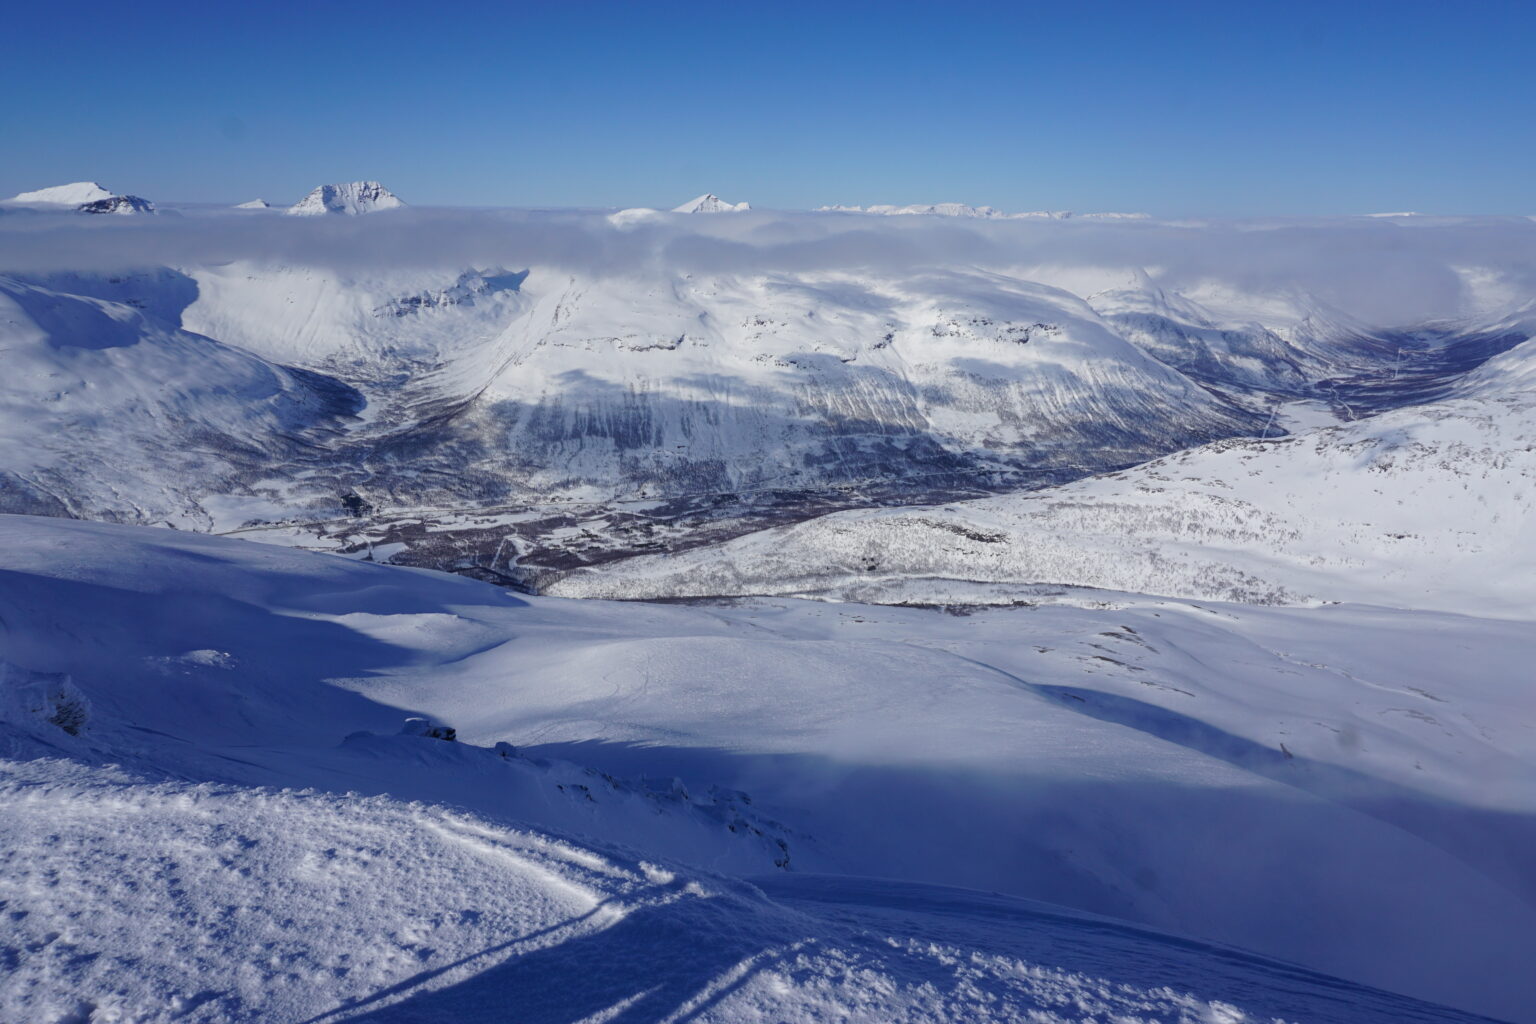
(1339, 787)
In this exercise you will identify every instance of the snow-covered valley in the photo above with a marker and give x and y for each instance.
(1430, 506)
(1023, 617)
(518, 395)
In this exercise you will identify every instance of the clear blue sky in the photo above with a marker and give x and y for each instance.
(1236, 107)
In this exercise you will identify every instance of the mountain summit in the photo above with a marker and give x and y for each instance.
(84, 196)
(75, 194)
(711, 203)
(351, 198)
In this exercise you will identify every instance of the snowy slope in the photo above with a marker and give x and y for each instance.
(111, 413)
(122, 205)
(350, 198)
(371, 909)
(739, 371)
(1350, 794)
(82, 196)
(1425, 507)
(76, 194)
(493, 386)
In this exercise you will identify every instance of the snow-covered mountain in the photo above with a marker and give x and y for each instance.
(1427, 507)
(84, 197)
(105, 392)
(661, 806)
(710, 203)
(75, 194)
(254, 204)
(349, 198)
(516, 387)
(666, 385)
(119, 205)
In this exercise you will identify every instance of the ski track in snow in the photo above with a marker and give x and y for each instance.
(224, 873)
(161, 902)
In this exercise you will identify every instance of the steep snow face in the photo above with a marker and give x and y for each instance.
(1428, 507)
(1350, 790)
(1286, 353)
(393, 323)
(351, 198)
(1509, 375)
(76, 194)
(495, 385)
(119, 205)
(111, 413)
(664, 385)
(711, 203)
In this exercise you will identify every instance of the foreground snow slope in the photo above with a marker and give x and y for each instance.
(153, 901)
(1341, 787)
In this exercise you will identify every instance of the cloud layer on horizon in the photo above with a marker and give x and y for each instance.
(1382, 271)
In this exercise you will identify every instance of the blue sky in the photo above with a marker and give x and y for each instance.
(1172, 108)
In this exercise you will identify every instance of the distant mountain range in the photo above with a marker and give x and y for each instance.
(327, 401)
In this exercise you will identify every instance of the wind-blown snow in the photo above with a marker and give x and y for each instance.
(1339, 788)
(371, 909)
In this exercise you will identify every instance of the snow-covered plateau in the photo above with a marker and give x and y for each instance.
(1025, 618)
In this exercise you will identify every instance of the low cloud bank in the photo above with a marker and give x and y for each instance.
(1383, 271)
